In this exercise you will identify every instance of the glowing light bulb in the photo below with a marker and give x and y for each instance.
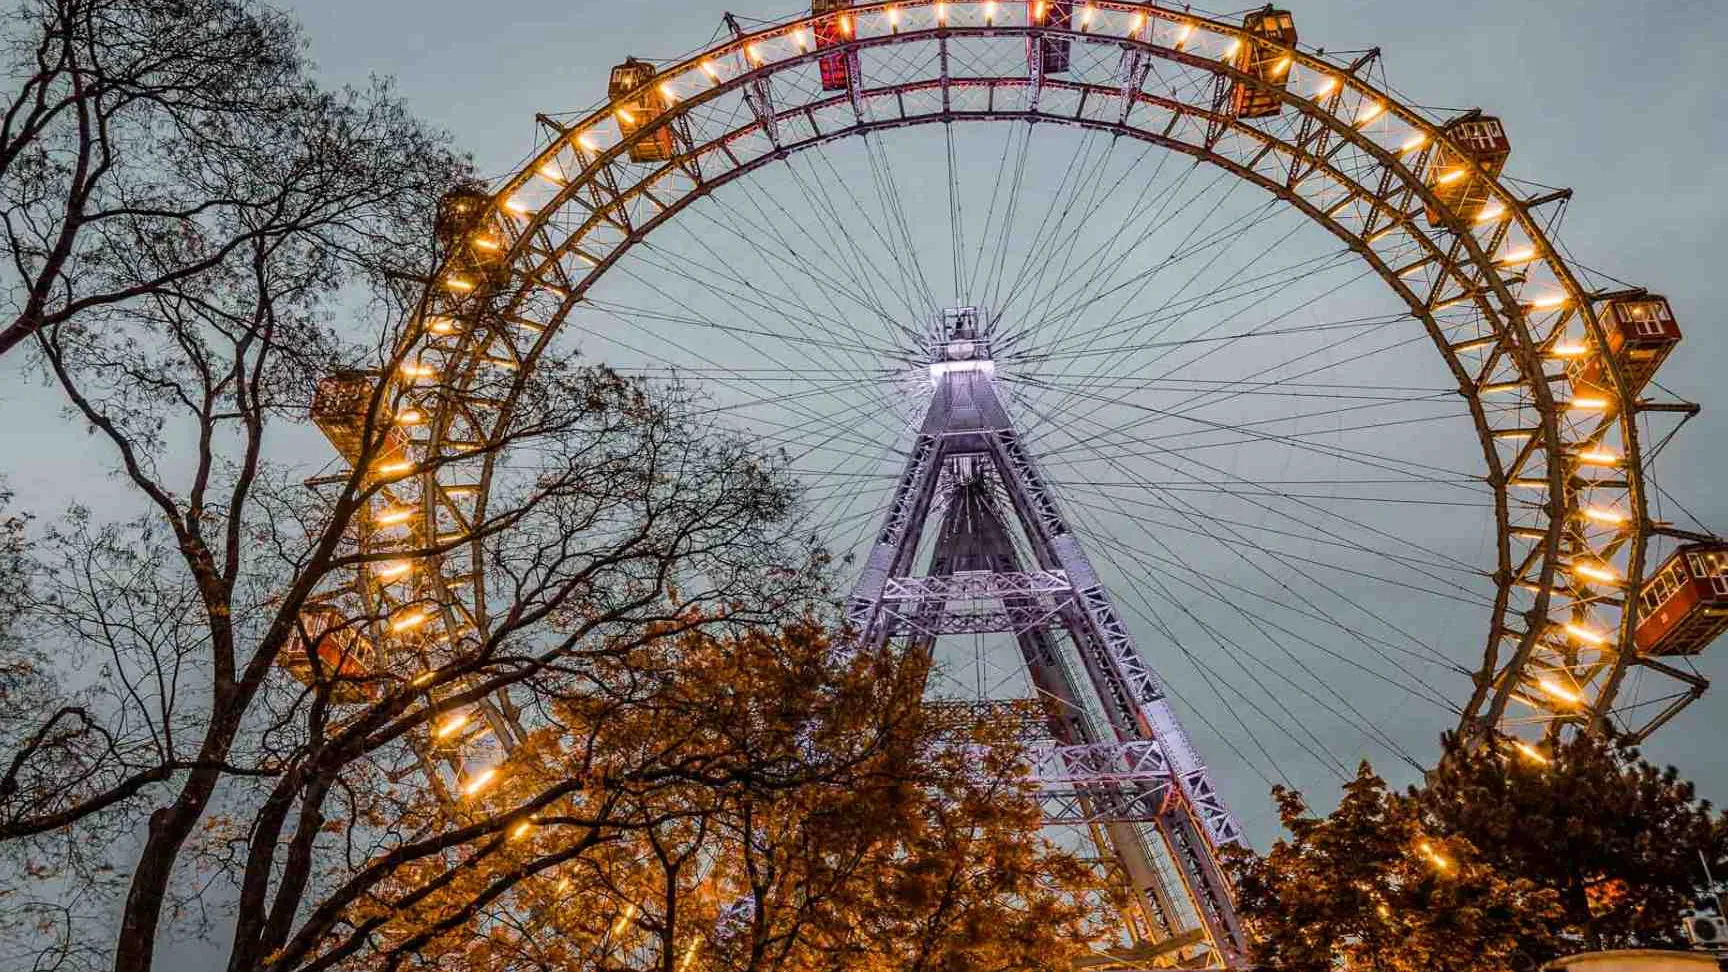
(1530, 752)
(451, 726)
(1559, 691)
(481, 781)
(410, 621)
(1600, 515)
(1413, 143)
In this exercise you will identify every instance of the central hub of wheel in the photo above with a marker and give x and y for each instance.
(961, 343)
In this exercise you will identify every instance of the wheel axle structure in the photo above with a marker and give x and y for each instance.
(1555, 378)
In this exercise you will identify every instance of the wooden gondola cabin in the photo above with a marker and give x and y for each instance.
(832, 30)
(345, 658)
(465, 230)
(1640, 332)
(638, 103)
(1263, 56)
(1051, 53)
(339, 410)
(1684, 605)
(1460, 177)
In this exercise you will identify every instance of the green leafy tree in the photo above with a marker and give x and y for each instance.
(1503, 859)
(1374, 885)
(1617, 839)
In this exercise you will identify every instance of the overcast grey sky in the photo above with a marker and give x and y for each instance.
(1621, 101)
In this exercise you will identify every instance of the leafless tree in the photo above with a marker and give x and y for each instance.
(194, 226)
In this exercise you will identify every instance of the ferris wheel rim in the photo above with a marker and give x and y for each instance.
(1514, 320)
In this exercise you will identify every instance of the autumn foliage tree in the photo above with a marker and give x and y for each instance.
(1502, 859)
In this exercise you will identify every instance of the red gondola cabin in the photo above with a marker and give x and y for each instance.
(1684, 606)
(1641, 333)
(638, 103)
(1050, 54)
(339, 410)
(831, 31)
(1460, 187)
(1262, 57)
(344, 656)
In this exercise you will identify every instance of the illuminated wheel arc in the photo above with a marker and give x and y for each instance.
(579, 205)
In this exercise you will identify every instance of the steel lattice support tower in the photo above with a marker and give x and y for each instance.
(1119, 761)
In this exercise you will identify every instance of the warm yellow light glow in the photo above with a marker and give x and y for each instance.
(549, 171)
(1588, 403)
(1600, 515)
(941, 13)
(689, 954)
(521, 830)
(1602, 576)
(1530, 752)
(1038, 12)
(668, 94)
(623, 920)
(989, 11)
(1279, 68)
(1230, 52)
(1578, 631)
(624, 116)
(409, 621)
(753, 53)
(458, 284)
(1559, 691)
(1450, 176)
(395, 571)
(1440, 863)
(708, 69)
(1599, 457)
(1413, 143)
(1139, 24)
(410, 416)
(1086, 16)
(488, 243)
(1326, 87)
(418, 370)
(585, 142)
(1182, 37)
(1371, 111)
(481, 781)
(894, 16)
(440, 325)
(516, 205)
(422, 679)
(451, 726)
(1518, 257)
(1490, 213)
(1550, 302)
(846, 25)
(1569, 350)
(396, 468)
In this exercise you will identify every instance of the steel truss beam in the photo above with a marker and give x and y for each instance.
(1120, 758)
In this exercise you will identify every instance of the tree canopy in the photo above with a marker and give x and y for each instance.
(1503, 858)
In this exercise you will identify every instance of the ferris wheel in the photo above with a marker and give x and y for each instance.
(1213, 383)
